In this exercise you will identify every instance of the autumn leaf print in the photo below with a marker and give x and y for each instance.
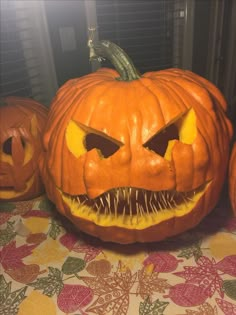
(229, 287)
(24, 274)
(205, 275)
(116, 301)
(193, 250)
(68, 240)
(162, 261)
(226, 307)
(150, 283)
(155, 308)
(89, 251)
(11, 256)
(7, 234)
(112, 291)
(99, 285)
(186, 294)
(10, 301)
(73, 265)
(99, 268)
(51, 284)
(227, 265)
(37, 303)
(204, 309)
(74, 297)
(54, 230)
(7, 207)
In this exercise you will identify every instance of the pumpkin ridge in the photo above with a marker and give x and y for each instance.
(94, 112)
(155, 96)
(156, 89)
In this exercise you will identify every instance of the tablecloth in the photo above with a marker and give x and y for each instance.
(48, 267)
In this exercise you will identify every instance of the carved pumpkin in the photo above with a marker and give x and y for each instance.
(22, 121)
(232, 178)
(135, 158)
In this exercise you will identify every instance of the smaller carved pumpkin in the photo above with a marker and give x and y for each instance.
(22, 121)
(232, 178)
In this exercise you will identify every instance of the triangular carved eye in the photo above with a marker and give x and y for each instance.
(104, 145)
(184, 129)
(81, 139)
(159, 142)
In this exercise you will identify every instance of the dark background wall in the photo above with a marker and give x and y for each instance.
(201, 36)
(146, 34)
(61, 15)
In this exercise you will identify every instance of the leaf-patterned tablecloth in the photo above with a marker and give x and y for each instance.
(48, 268)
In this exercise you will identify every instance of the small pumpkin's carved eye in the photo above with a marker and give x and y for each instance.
(159, 142)
(7, 146)
(105, 146)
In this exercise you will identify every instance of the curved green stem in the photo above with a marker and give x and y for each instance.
(121, 61)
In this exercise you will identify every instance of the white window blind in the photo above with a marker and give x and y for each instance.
(27, 67)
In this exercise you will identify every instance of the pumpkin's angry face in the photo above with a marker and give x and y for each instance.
(22, 121)
(151, 191)
(136, 161)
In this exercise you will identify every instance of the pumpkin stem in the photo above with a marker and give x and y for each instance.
(120, 60)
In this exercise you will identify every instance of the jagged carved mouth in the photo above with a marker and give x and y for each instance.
(7, 188)
(7, 192)
(130, 201)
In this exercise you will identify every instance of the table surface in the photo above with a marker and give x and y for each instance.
(48, 268)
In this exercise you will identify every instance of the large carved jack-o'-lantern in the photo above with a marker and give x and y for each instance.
(135, 158)
(22, 121)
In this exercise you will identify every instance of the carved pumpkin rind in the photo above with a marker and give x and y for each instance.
(84, 101)
(22, 124)
(135, 158)
(232, 178)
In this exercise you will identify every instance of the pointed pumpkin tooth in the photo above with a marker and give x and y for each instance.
(130, 210)
(159, 205)
(145, 199)
(101, 201)
(108, 199)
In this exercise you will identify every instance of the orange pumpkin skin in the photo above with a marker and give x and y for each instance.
(232, 178)
(132, 113)
(22, 122)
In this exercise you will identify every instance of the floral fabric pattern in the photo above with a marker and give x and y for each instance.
(49, 268)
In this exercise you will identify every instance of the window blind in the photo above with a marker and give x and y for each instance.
(26, 64)
(151, 32)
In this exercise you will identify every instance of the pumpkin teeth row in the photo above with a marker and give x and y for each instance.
(132, 201)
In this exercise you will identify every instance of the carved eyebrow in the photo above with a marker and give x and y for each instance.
(159, 141)
(99, 133)
(167, 125)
